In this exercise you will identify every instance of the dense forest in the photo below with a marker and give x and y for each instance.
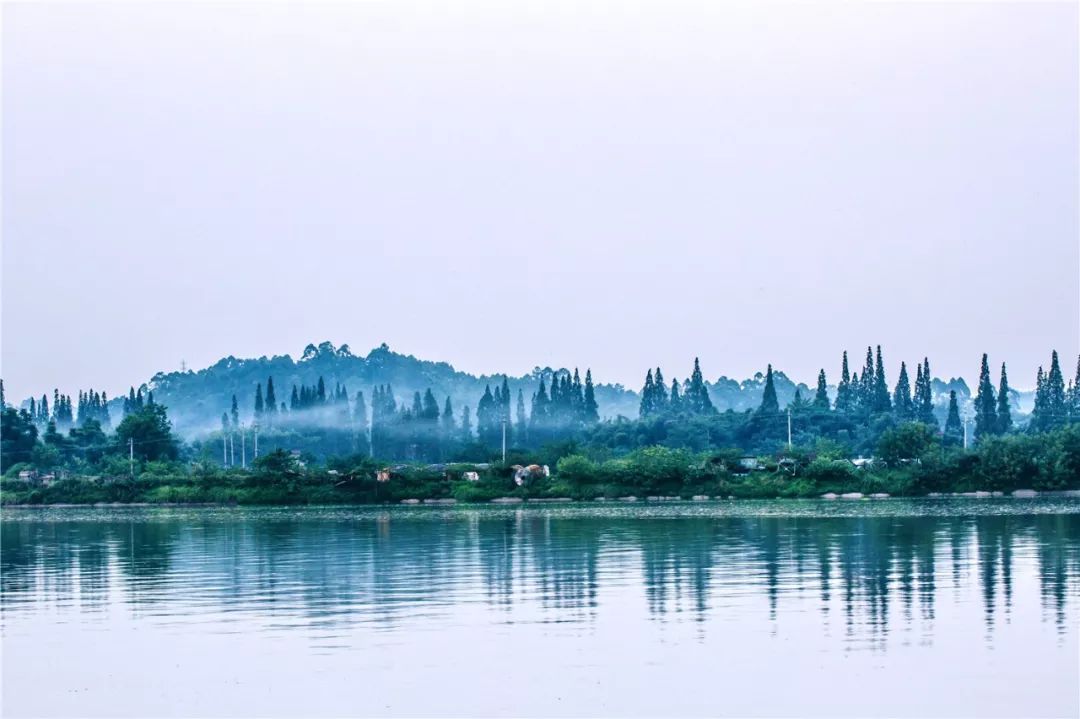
(561, 415)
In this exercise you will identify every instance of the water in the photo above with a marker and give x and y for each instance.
(906, 608)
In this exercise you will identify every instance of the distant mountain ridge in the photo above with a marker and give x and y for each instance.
(197, 399)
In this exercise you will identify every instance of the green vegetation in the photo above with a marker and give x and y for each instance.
(324, 445)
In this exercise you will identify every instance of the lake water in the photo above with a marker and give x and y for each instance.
(907, 608)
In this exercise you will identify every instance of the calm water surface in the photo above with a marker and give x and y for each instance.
(916, 608)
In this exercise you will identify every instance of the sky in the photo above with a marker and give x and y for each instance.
(501, 186)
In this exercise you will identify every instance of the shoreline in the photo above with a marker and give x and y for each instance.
(1019, 494)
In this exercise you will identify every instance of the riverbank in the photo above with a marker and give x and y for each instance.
(60, 496)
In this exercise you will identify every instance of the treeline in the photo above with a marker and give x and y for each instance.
(319, 421)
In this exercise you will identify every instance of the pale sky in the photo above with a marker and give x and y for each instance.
(502, 185)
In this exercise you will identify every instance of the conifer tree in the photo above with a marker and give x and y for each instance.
(1055, 393)
(520, 426)
(1004, 412)
(696, 395)
(924, 397)
(466, 426)
(591, 411)
(675, 403)
(881, 401)
(271, 401)
(986, 423)
(360, 425)
(224, 421)
(954, 429)
(660, 395)
(259, 406)
(865, 401)
(843, 390)
(821, 396)
(902, 402)
(1039, 412)
(448, 424)
(648, 396)
(1074, 398)
(320, 392)
(769, 403)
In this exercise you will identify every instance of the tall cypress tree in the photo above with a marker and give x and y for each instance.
(843, 390)
(986, 423)
(521, 424)
(271, 401)
(1055, 393)
(902, 402)
(648, 396)
(361, 426)
(259, 407)
(466, 426)
(1074, 399)
(1038, 414)
(865, 401)
(769, 403)
(448, 423)
(1004, 412)
(881, 401)
(821, 396)
(660, 395)
(696, 395)
(675, 403)
(954, 429)
(924, 397)
(592, 410)
(234, 411)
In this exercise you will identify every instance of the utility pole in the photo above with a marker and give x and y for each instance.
(131, 455)
(224, 451)
(504, 439)
(243, 451)
(232, 449)
(789, 429)
(965, 433)
(256, 442)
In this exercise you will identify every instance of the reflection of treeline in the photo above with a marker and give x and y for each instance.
(871, 573)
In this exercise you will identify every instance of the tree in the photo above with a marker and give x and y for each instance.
(880, 402)
(902, 402)
(591, 412)
(466, 425)
(448, 424)
(271, 401)
(696, 396)
(1074, 397)
(151, 433)
(18, 436)
(259, 406)
(954, 429)
(986, 422)
(843, 390)
(648, 396)
(907, 441)
(1050, 409)
(360, 423)
(1004, 412)
(675, 403)
(521, 424)
(821, 396)
(769, 403)
(660, 395)
(924, 396)
(235, 412)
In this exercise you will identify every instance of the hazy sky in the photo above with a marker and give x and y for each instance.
(501, 186)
